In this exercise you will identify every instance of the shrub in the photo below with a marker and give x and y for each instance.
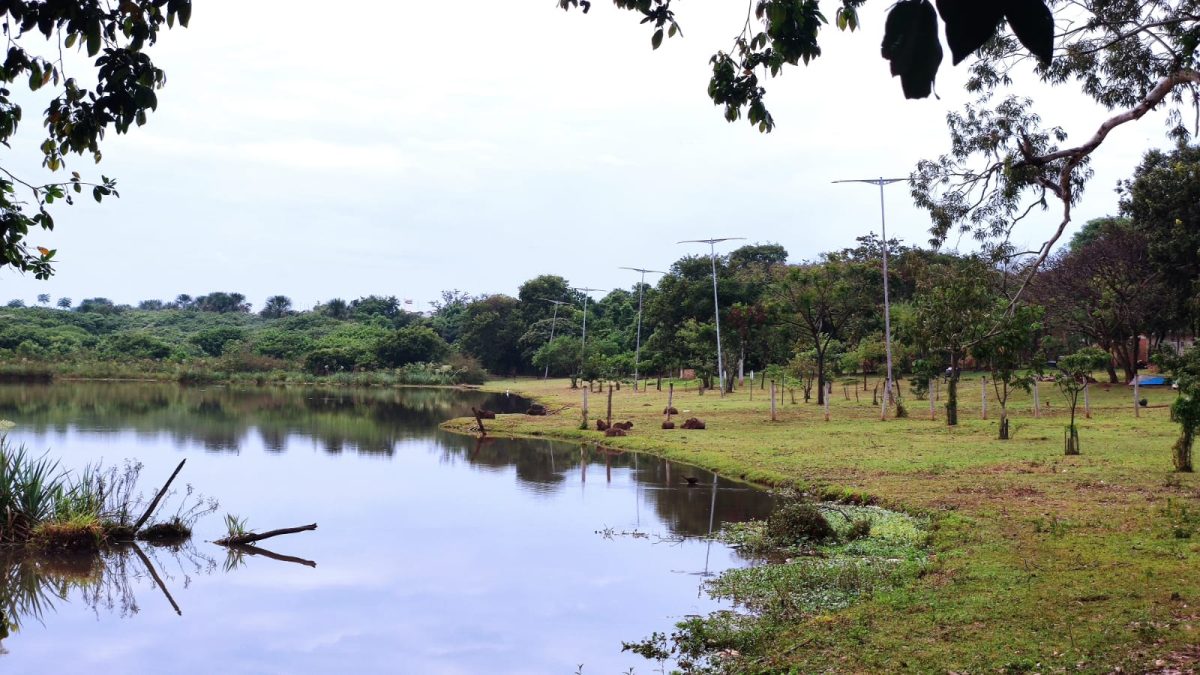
(135, 345)
(329, 360)
(798, 521)
(414, 344)
(213, 341)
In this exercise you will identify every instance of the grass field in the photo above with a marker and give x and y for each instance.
(1042, 562)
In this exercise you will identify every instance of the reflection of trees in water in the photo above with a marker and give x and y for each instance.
(543, 466)
(219, 418)
(32, 586)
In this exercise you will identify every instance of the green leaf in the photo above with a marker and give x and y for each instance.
(656, 40)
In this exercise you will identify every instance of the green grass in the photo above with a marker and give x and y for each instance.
(1038, 560)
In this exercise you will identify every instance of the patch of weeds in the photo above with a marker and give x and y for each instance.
(1182, 522)
(1053, 526)
(865, 550)
(173, 530)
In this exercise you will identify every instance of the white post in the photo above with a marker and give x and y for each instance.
(585, 406)
(828, 390)
(773, 419)
(1136, 411)
(1037, 406)
(932, 396)
(717, 316)
(983, 394)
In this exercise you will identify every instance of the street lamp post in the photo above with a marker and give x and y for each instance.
(637, 352)
(553, 323)
(712, 244)
(887, 311)
(583, 346)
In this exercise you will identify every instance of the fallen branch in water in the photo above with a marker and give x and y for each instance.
(250, 537)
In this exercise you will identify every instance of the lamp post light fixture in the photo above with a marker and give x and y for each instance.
(637, 352)
(553, 324)
(887, 311)
(712, 245)
(583, 345)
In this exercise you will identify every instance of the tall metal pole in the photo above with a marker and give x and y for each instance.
(553, 324)
(583, 346)
(712, 243)
(887, 306)
(637, 353)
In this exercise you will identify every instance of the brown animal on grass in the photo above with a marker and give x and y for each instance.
(484, 414)
(623, 425)
(615, 431)
(671, 411)
(693, 423)
(536, 409)
(668, 425)
(601, 425)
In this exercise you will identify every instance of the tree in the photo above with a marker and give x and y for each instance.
(387, 307)
(43, 299)
(335, 308)
(1162, 202)
(448, 314)
(1075, 371)
(1108, 290)
(821, 299)
(276, 307)
(491, 328)
(413, 344)
(151, 305)
(1006, 349)
(15, 303)
(1185, 368)
(222, 303)
(76, 118)
(97, 306)
(214, 341)
(953, 311)
(561, 356)
(64, 303)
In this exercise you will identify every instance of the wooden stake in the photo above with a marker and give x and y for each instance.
(828, 391)
(1037, 406)
(773, 418)
(608, 417)
(670, 394)
(1087, 400)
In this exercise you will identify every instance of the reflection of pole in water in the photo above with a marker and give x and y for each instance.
(608, 467)
(712, 513)
(637, 490)
(582, 465)
(668, 466)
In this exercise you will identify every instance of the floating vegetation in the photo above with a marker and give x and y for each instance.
(813, 558)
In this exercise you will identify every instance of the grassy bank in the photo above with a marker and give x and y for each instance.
(1041, 563)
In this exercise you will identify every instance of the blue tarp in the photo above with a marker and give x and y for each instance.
(1151, 381)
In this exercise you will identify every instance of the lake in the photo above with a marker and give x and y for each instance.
(435, 553)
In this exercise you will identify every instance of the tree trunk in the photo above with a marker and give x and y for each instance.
(820, 378)
(1112, 373)
(1071, 440)
(1182, 450)
(1003, 423)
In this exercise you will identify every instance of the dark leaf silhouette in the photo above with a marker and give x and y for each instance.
(1033, 24)
(910, 43)
(970, 23)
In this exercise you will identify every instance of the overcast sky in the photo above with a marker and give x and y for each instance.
(322, 150)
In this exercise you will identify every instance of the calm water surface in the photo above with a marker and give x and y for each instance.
(435, 553)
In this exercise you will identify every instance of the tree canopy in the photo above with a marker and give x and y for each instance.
(77, 117)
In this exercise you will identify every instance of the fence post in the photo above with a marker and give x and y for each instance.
(983, 394)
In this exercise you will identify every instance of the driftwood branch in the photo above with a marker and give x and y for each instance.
(154, 575)
(158, 497)
(254, 550)
(250, 537)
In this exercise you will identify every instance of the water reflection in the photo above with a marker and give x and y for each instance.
(222, 419)
(439, 552)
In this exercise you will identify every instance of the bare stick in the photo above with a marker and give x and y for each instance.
(154, 575)
(254, 550)
(157, 498)
(250, 537)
